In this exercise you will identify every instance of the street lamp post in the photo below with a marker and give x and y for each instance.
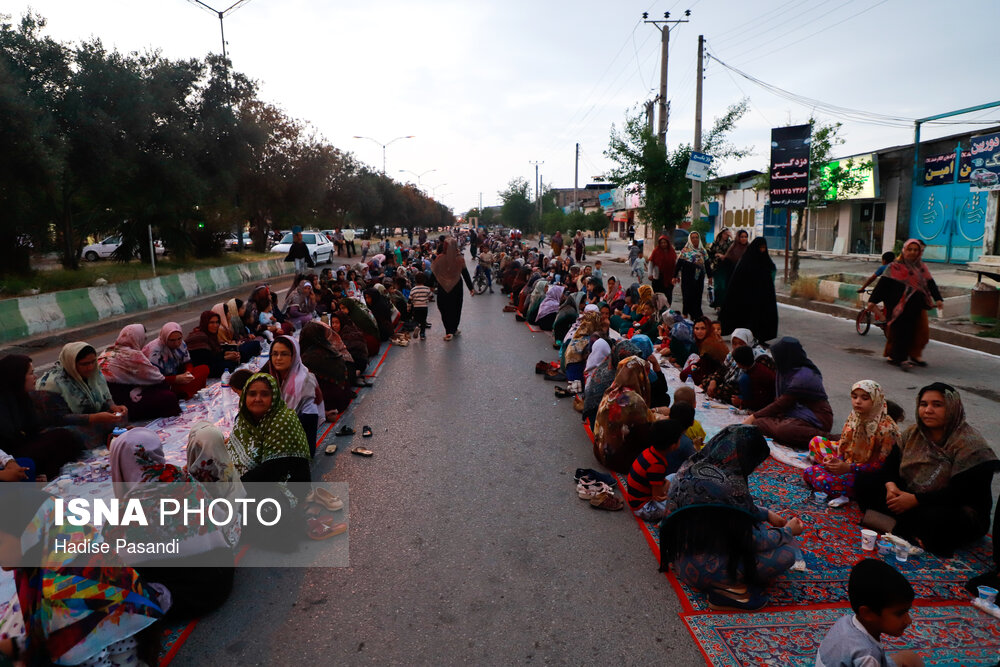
(419, 176)
(389, 143)
(435, 187)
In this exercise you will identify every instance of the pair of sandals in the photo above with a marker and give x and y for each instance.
(600, 495)
(366, 432)
(319, 524)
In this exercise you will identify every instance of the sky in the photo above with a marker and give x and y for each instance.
(486, 88)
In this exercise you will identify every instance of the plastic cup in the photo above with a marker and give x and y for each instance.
(902, 553)
(988, 594)
(819, 498)
(868, 539)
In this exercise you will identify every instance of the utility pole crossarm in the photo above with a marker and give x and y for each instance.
(666, 23)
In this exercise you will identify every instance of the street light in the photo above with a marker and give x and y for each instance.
(419, 176)
(435, 187)
(408, 136)
(222, 14)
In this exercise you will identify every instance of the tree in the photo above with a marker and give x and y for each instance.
(644, 166)
(843, 180)
(517, 210)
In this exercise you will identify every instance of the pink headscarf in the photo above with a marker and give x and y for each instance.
(125, 468)
(124, 362)
(293, 385)
(170, 362)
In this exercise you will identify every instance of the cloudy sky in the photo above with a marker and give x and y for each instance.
(486, 87)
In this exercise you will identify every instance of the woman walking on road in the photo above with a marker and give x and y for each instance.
(663, 262)
(750, 301)
(692, 266)
(449, 270)
(908, 294)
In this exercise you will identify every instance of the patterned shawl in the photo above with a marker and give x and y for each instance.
(550, 304)
(694, 253)
(170, 362)
(448, 266)
(576, 349)
(915, 276)
(625, 404)
(295, 382)
(124, 362)
(869, 437)
(929, 466)
(361, 316)
(278, 434)
(83, 396)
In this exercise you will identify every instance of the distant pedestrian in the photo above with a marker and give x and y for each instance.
(662, 263)
(450, 270)
(579, 246)
(692, 267)
(298, 252)
(419, 298)
(349, 242)
(750, 301)
(631, 232)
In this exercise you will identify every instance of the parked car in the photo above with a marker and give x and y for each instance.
(319, 246)
(104, 249)
(230, 242)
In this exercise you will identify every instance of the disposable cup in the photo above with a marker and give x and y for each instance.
(902, 553)
(868, 539)
(988, 594)
(819, 498)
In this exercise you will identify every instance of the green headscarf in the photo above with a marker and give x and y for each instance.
(277, 435)
(361, 316)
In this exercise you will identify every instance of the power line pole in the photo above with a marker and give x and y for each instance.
(576, 177)
(649, 115)
(541, 186)
(696, 185)
(664, 55)
(537, 201)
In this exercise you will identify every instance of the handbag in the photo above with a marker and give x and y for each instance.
(654, 272)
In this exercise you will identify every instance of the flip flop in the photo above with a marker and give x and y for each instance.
(361, 451)
(330, 450)
(344, 430)
(366, 432)
(322, 529)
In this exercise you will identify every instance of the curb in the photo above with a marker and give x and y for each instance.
(968, 341)
(26, 318)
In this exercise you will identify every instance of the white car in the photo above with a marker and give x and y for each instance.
(104, 249)
(320, 248)
(231, 242)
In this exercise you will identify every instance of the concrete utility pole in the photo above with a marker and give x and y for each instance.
(576, 177)
(664, 55)
(696, 185)
(537, 200)
(649, 114)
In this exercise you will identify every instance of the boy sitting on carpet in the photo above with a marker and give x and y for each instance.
(881, 598)
(685, 394)
(756, 381)
(646, 487)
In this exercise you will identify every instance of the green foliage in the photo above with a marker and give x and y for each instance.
(645, 166)
(517, 211)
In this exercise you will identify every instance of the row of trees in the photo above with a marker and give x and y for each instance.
(519, 211)
(96, 141)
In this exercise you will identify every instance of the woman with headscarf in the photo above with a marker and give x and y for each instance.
(326, 357)
(535, 300)
(169, 353)
(908, 291)
(662, 264)
(576, 350)
(74, 393)
(206, 349)
(259, 298)
(750, 301)
(299, 388)
(659, 393)
(623, 417)
(936, 484)
(199, 576)
(603, 376)
(22, 433)
(723, 384)
(692, 267)
(133, 380)
(800, 410)
(866, 441)
(363, 320)
(714, 536)
(711, 351)
(381, 310)
(449, 270)
(569, 311)
(300, 304)
(548, 309)
(721, 260)
(233, 313)
(354, 341)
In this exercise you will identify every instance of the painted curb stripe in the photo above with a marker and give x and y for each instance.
(11, 322)
(76, 307)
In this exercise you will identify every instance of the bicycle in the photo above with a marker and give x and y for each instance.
(479, 281)
(869, 315)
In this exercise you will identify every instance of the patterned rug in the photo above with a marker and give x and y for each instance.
(942, 635)
(831, 546)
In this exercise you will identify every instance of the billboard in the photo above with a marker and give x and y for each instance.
(865, 166)
(940, 169)
(790, 166)
(985, 151)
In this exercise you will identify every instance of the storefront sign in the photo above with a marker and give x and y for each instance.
(940, 169)
(790, 166)
(607, 200)
(985, 151)
(865, 166)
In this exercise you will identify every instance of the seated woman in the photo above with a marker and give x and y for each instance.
(724, 384)
(356, 345)
(866, 441)
(659, 392)
(326, 357)
(268, 443)
(299, 388)
(545, 319)
(567, 314)
(602, 376)
(74, 393)
(300, 304)
(200, 575)
(647, 322)
(365, 321)
(169, 353)
(801, 410)
(260, 297)
(535, 300)
(206, 349)
(936, 484)
(623, 417)
(133, 380)
(714, 536)
(237, 333)
(381, 310)
(578, 347)
(711, 351)
(22, 433)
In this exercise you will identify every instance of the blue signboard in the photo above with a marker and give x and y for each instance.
(985, 152)
(698, 166)
(607, 200)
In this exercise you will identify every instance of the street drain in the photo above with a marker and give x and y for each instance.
(988, 394)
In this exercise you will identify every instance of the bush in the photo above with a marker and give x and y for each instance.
(805, 288)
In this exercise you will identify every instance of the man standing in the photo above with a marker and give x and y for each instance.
(473, 243)
(349, 242)
(631, 232)
(338, 241)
